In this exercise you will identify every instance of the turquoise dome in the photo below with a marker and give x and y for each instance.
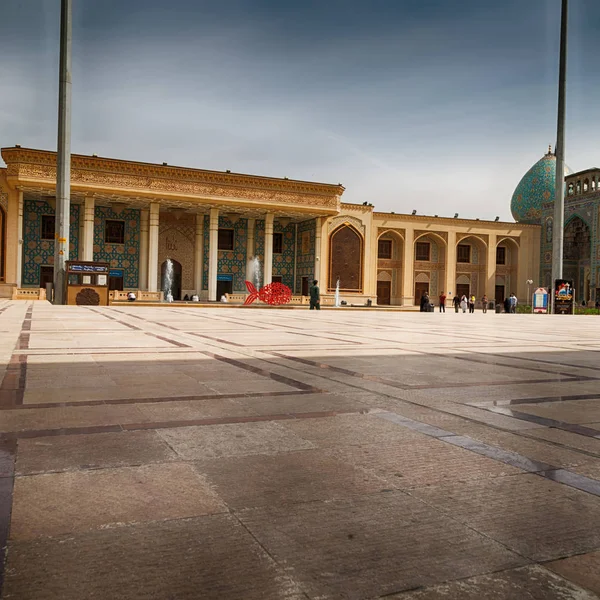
(536, 188)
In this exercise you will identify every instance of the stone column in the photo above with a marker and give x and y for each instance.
(12, 246)
(250, 249)
(450, 267)
(87, 240)
(318, 238)
(20, 238)
(199, 254)
(408, 268)
(268, 266)
(213, 254)
(143, 279)
(153, 247)
(490, 266)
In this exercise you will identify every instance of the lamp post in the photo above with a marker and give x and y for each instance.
(529, 282)
(559, 197)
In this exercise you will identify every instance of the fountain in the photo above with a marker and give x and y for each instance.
(337, 293)
(168, 282)
(256, 271)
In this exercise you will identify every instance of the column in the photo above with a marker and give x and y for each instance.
(490, 285)
(87, 240)
(250, 249)
(408, 268)
(199, 254)
(153, 221)
(318, 238)
(12, 247)
(19, 238)
(451, 266)
(268, 266)
(144, 221)
(213, 254)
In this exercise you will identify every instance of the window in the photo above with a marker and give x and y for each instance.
(114, 232)
(501, 255)
(384, 249)
(47, 227)
(423, 251)
(225, 239)
(278, 243)
(463, 253)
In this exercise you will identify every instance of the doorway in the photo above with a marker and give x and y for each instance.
(463, 289)
(46, 276)
(277, 279)
(224, 287)
(305, 286)
(384, 292)
(176, 284)
(499, 294)
(420, 289)
(115, 280)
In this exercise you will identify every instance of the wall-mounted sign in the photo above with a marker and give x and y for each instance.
(81, 268)
(116, 273)
(540, 301)
(564, 297)
(224, 277)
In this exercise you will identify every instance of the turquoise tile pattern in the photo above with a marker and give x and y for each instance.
(306, 260)
(38, 252)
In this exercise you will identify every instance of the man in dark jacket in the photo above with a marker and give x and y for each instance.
(424, 302)
(315, 296)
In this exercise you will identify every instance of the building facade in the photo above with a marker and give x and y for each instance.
(221, 229)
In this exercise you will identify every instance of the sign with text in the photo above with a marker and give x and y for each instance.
(564, 297)
(540, 301)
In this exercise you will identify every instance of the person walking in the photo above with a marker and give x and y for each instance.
(506, 305)
(443, 302)
(424, 302)
(472, 304)
(315, 296)
(456, 303)
(484, 303)
(464, 303)
(513, 303)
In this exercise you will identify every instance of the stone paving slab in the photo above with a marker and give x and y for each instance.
(63, 503)
(212, 558)
(373, 545)
(583, 569)
(532, 583)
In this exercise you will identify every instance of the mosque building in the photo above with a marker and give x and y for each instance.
(533, 203)
(212, 224)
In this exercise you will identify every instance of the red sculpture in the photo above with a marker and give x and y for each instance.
(274, 294)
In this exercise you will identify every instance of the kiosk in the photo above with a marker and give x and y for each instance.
(87, 283)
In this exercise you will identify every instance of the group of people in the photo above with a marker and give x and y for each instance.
(465, 303)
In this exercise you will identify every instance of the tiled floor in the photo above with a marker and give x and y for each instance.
(185, 453)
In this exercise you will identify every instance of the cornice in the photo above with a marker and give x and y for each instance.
(356, 207)
(451, 221)
(29, 164)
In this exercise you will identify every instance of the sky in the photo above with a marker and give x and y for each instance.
(435, 105)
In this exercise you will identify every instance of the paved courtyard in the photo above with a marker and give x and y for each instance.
(187, 453)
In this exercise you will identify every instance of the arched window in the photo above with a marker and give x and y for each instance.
(586, 186)
(346, 259)
(571, 191)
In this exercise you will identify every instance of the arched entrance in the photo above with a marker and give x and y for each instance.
(176, 286)
(346, 259)
(390, 250)
(577, 255)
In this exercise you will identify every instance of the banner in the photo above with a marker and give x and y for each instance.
(540, 301)
(564, 301)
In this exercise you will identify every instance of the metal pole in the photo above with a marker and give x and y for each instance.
(63, 158)
(559, 198)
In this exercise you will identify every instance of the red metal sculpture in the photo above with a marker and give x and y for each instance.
(274, 294)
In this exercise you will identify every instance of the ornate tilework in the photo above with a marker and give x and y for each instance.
(120, 256)
(38, 252)
(535, 188)
(283, 264)
(233, 262)
(305, 260)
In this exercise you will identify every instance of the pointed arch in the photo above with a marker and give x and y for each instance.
(346, 246)
(432, 234)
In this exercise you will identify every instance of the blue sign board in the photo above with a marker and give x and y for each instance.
(224, 277)
(116, 273)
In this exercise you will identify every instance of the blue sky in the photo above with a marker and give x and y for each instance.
(434, 105)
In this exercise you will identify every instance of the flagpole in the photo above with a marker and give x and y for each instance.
(559, 197)
(63, 157)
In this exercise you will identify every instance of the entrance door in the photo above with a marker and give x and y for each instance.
(463, 289)
(420, 289)
(384, 292)
(224, 287)
(499, 295)
(115, 283)
(277, 279)
(305, 286)
(46, 276)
